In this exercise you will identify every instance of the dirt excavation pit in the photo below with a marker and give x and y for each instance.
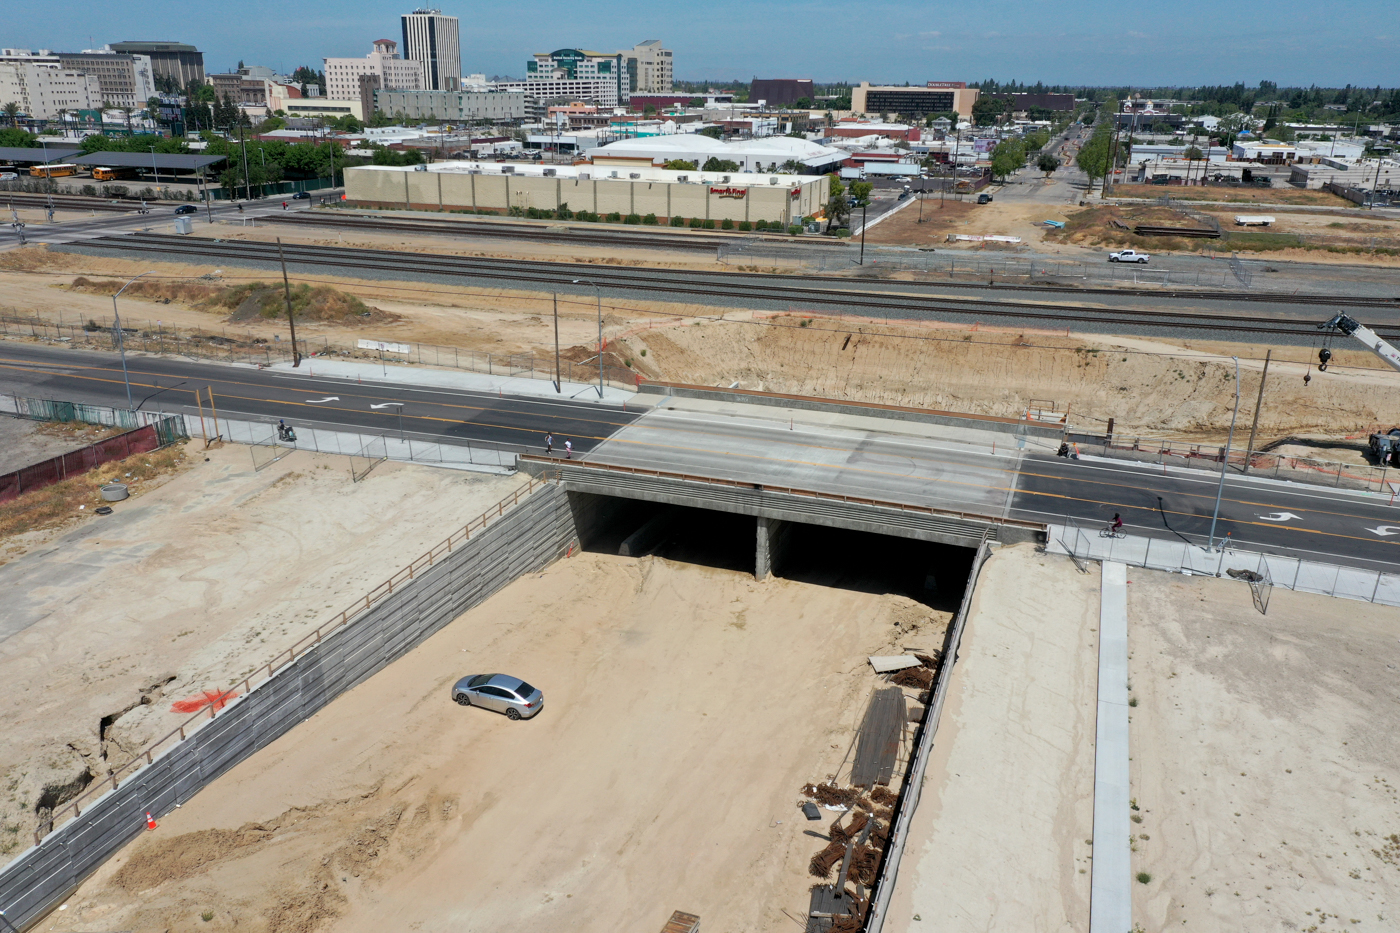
(111, 620)
(685, 709)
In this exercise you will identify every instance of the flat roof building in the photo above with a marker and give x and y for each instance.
(914, 102)
(780, 92)
(383, 63)
(176, 61)
(432, 39)
(649, 68)
(497, 106)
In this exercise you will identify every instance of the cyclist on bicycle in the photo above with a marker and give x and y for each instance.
(1117, 524)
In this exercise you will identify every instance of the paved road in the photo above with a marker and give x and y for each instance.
(246, 393)
(160, 218)
(934, 467)
(921, 465)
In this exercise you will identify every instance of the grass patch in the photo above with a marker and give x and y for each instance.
(315, 303)
(1262, 242)
(56, 504)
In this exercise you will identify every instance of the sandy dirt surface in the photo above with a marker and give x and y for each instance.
(1264, 763)
(23, 442)
(186, 589)
(998, 842)
(685, 707)
(999, 218)
(1255, 196)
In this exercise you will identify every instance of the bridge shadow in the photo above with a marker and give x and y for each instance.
(933, 574)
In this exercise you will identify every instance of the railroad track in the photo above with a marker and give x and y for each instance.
(704, 285)
(373, 223)
(67, 202)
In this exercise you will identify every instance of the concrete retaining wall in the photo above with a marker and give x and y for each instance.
(894, 413)
(526, 539)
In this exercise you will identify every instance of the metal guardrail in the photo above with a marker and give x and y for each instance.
(72, 809)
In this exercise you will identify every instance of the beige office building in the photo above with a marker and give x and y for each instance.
(914, 102)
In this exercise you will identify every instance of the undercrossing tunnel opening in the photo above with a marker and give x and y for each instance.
(636, 528)
(931, 573)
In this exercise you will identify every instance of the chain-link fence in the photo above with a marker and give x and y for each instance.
(1192, 555)
(367, 458)
(246, 347)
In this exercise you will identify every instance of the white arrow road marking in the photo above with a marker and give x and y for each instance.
(388, 405)
(1280, 517)
(318, 401)
(1385, 531)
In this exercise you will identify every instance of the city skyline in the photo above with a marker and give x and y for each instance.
(898, 41)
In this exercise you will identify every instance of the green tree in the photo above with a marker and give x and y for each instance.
(1007, 157)
(12, 113)
(716, 164)
(836, 188)
(679, 165)
(802, 103)
(13, 137)
(987, 109)
(860, 192)
(1093, 156)
(838, 210)
(697, 102)
(1037, 140)
(714, 132)
(1193, 154)
(1047, 163)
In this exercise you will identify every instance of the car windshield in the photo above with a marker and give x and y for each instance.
(479, 679)
(525, 690)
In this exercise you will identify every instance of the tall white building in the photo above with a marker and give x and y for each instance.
(649, 68)
(42, 87)
(431, 38)
(394, 73)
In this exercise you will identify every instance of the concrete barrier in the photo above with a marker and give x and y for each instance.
(870, 409)
(525, 539)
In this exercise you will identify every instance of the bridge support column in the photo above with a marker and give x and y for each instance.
(770, 540)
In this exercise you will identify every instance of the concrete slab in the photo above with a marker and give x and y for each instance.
(1110, 898)
(833, 456)
(453, 379)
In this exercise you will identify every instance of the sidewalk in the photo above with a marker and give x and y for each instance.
(320, 368)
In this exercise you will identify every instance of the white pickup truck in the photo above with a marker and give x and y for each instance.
(1128, 255)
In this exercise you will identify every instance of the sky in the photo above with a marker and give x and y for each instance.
(1088, 42)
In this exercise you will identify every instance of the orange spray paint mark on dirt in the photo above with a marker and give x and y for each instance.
(209, 698)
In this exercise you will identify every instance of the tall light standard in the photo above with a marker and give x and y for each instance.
(154, 167)
(1225, 461)
(599, 292)
(121, 343)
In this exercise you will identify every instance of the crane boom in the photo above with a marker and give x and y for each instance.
(1354, 328)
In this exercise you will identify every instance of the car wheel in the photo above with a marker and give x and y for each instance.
(462, 699)
(513, 714)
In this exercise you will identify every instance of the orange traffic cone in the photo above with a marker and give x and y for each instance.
(150, 823)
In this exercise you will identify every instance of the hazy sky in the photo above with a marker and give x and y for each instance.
(1071, 41)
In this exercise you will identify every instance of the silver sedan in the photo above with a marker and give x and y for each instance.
(499, 692)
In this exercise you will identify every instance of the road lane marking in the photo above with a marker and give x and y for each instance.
(328, 398)
(1385, 531)
(1280, 517)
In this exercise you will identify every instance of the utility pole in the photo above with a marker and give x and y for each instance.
(558, 378)
(1258, 403)
(864, 204)
(247, 184)
(287, 291)
(1225, 460)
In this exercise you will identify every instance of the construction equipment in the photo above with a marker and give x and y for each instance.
(1353, 328)
(1386, 446)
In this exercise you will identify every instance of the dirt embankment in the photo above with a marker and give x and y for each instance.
(1241, 195)
(249, 301)
(1147, 386)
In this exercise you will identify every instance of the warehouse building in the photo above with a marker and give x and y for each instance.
(637, 189)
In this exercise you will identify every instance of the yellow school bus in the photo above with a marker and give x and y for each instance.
(102, 173)
(53, 171)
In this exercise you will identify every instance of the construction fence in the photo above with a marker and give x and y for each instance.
(1196, 558)
(524, 534)
(246, 347)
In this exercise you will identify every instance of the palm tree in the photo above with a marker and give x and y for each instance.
(12, 111)
(126, 113)
(63, 119)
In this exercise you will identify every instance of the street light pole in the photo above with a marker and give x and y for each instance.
(599, 292)
(864, 204)
(121, 344)
(1225, 461)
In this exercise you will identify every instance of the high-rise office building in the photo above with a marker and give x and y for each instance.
(649, 68)
(431, 38)
(178, 63)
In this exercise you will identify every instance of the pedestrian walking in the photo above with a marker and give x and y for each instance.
(568, 450)
(284, 205)
(549, 445)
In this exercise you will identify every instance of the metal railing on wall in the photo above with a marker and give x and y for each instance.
(74, 808)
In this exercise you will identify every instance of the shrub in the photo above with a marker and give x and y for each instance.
(633, 219)
(649, 220)
(678, 221)
(794, 230)
(90, 190)
(696, 223)
(1143, 877)
(564, 213)
(709, 224)
(726, 224)
(614, 218)
(745, 226)
(761, 225)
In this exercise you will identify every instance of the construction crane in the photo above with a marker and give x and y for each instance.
(1354, 328)
(1385, 446)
